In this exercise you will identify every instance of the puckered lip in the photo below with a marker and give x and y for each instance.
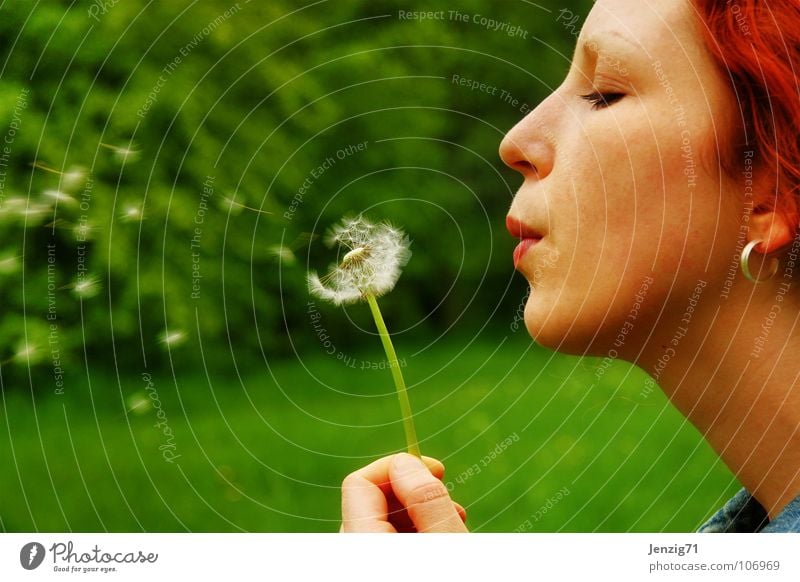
(520, 230)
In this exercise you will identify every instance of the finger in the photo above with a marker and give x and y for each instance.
(378, 471)
(364, 507)
(364, 494)
(399, 518)
(424, 496)
(435, 466)
(462, 513)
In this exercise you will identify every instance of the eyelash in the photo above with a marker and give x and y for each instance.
(602, 100)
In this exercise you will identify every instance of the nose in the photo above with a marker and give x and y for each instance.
(527, 149)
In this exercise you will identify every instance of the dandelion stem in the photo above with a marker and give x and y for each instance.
(397, 375)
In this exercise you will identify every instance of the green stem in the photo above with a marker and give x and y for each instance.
(397, 375)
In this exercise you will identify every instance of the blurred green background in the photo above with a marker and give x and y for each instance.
(167, 169)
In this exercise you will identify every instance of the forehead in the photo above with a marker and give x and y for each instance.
(659, 28)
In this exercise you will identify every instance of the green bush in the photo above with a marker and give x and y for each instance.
(157, 99)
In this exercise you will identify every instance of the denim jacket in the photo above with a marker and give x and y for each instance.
(743, 514)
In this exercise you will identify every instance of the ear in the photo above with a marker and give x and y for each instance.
(773, 227)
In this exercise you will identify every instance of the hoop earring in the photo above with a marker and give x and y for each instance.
(745, 263)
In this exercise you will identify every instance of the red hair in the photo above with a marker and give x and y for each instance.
(756, 44)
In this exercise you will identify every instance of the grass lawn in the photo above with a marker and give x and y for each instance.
(531, 441)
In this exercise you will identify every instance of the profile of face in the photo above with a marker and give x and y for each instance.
(622, 181)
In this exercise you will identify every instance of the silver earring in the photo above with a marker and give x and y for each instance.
(745, 263)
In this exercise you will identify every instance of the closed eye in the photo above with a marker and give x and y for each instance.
(602, 100)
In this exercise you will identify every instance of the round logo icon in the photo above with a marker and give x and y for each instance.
(31, 555)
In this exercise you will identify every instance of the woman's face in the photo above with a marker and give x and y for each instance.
(625, 193)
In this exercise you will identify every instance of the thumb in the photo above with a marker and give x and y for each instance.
(425, 497)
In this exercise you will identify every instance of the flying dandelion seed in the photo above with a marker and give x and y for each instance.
(138, 403)
(35, 211)
(232, 204)
(172, 339)
(376, 254)
(132, 214)
(72, 178)
(121, 153)
(283, 254)
(26, 352)
(229, 205)
(21, 209)
(86, 287)
(9, 264)
(83, 230)
(18, 207)
(60, 197)
(57, 223)
(286, 253)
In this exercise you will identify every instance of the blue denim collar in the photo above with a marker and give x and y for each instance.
(744, 514)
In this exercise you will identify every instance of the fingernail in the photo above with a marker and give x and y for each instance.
(406, 463)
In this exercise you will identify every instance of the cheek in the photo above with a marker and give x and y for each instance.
(621, 210)
(610, 217)
(643, 199)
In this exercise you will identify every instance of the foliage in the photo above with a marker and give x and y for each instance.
(176, 108)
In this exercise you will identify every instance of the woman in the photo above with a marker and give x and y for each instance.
(662, 174)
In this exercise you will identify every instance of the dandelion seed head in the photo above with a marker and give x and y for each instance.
(375, 257)
(355, 257)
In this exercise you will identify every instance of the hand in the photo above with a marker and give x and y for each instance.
(399, 493)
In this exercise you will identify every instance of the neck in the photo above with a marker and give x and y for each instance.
(734, 374)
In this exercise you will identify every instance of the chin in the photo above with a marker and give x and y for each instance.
(557, 329)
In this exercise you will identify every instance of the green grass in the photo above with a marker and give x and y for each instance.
(268, 452)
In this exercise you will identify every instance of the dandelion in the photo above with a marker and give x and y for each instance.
(371, 266)
(376, 254)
